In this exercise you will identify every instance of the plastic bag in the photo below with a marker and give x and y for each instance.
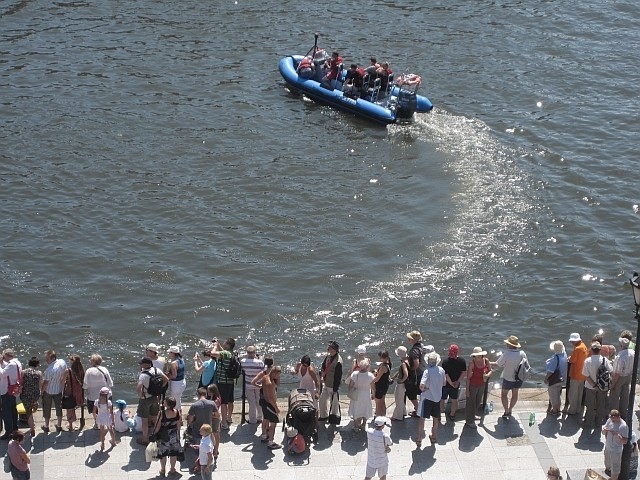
(151, 452)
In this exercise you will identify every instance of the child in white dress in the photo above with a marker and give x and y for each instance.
(103, 409)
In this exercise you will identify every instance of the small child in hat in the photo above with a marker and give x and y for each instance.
(378, 447)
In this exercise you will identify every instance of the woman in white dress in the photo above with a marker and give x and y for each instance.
(361, 394)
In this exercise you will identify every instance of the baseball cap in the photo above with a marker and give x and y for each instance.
(380, 421)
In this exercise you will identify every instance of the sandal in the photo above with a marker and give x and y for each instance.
(264, 437)
(413, 414)
(45, 429)
(58, 428)
(273, 446)
(452, 418)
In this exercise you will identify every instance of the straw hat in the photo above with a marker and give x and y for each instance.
(415, 336)
(512, 341)
(478, 352)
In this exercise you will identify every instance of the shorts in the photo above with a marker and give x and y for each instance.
(412, 390)
(430, 409)
(148, 407)
(381, 471)
(47, 400)
(19, 474)
(269, 412)
(509, 385)
(215, 425)
(450, 392)
(226, 393)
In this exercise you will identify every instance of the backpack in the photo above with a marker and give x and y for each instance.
(156, 383)
(603, 377)
(234, 370)
(523, 370)
(296, 445)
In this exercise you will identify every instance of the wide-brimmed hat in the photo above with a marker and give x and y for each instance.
(401, 351)
(575, 337)
(415, 335)
(361, 349)
(105, 391)
(478, 352)
(152, 347)
(334, 345)
(174, 349)
(557, 347)
(8, 351)
(432, 358)
(380, 421)
(512, 341)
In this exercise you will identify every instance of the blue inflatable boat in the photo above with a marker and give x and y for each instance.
(398, 100)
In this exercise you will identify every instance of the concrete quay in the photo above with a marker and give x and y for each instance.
(499, 449)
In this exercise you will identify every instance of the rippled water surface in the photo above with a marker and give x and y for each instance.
(159, 183)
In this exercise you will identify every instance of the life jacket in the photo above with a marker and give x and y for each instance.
(305, 63)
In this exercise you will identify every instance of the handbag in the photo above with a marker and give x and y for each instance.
(555, 377)
(16, 388)
(68, 399)
(334, 418)
(352, 394)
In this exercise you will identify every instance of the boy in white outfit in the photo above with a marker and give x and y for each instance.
(378, 446)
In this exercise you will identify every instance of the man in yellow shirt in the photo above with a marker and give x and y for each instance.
(576, 383)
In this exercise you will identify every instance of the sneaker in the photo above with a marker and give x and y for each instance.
(273, 446)
(264, 437)
(224, 427)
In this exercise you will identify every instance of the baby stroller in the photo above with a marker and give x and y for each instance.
(302, 415)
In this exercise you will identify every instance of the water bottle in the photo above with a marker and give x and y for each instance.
(486, 408)
(532, 419)
(491, 406)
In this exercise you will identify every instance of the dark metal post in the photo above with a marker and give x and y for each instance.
(626, 451)
(243, 419)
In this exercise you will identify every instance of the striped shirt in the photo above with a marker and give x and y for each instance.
(377, 440)
(224, 362)
(251, 368)
(53, 375)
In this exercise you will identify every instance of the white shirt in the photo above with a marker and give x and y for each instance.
(143, 379)
(613, 443)
(9, 375)
(623, 365)
(433, 379)
(94, 379)
(590, 369)
(206, 447)
(54, 374)
(377, 440)
(509, 361)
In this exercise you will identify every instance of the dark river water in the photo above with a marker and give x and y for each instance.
(159, 184)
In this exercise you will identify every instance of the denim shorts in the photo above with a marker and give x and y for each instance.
(509, 385)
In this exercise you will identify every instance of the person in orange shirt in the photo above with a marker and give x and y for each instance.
(574, 406)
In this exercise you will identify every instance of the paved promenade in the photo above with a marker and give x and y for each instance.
(498, 449)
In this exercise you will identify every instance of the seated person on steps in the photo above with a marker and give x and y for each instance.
(354, 81)
(333, 67)
(306, 68)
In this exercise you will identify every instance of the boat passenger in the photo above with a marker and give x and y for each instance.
(373, 68)
(333, 69)
(354, 81)
(306, 68)
(383, 74)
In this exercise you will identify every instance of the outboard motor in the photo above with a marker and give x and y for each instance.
(408, 95)
(406, 104)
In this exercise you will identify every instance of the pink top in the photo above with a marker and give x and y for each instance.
(15, 451)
